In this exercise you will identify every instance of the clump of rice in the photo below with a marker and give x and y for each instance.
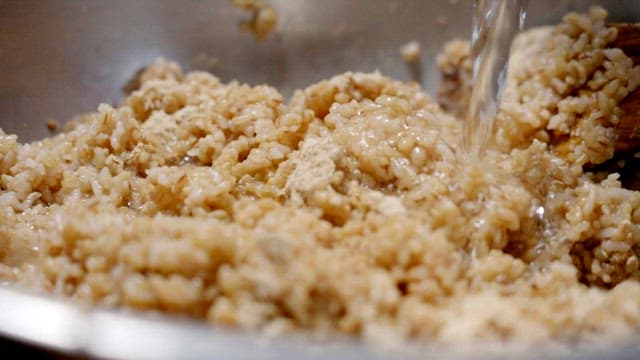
(345, 210)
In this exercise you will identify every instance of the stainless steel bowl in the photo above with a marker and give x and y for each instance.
(60, 58)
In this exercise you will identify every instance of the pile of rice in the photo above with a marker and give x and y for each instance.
(347, 209)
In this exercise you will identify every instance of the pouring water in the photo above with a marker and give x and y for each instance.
(495, 24)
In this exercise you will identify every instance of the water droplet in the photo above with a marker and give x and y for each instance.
(479, 222)
(187, 160)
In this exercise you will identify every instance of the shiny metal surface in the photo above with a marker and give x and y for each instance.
(60, 58)
(63, 327)
(68, 329)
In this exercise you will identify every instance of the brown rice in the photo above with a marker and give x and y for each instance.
(346, 209)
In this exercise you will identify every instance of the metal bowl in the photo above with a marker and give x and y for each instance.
(60, 58)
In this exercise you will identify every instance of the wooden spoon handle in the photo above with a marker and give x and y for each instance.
(628, 129)
(628, 40)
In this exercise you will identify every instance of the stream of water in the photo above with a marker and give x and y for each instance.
(495, 24)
